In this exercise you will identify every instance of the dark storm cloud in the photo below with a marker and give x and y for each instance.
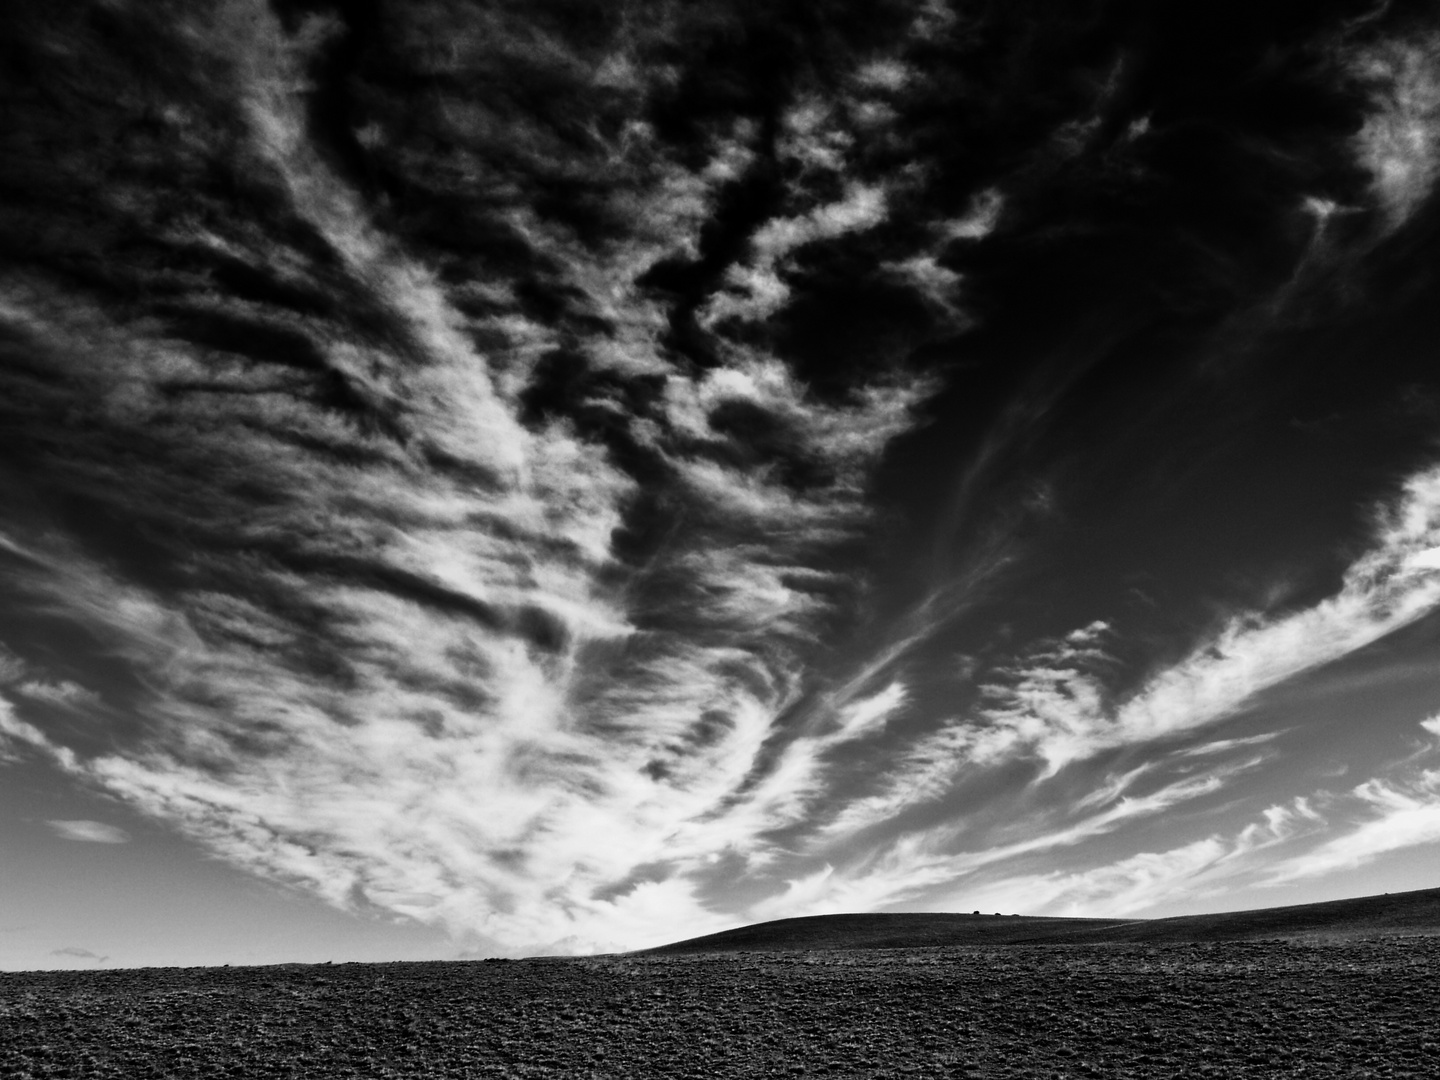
(468, 459)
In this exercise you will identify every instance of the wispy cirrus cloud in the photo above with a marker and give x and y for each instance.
(436, 605)
(941, 861)
(1403, 815)
(91, 832)
(466, 501)
(1321, 832)
(1057, 707)
(1386, 814)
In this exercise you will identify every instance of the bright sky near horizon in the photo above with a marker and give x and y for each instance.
(566, 476)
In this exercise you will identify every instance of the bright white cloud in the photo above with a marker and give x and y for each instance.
(1399, 143)
(869, 715)
(758, 288)
(1399, 813)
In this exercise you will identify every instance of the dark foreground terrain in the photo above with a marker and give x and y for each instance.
(1245, 1009)
(1318, 999)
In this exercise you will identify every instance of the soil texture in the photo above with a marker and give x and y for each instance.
(1312, 1009)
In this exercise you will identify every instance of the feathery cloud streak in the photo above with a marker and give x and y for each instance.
(1320, 832)
(93, 832)
(377, 635)
(1055, 707)
(444, 457)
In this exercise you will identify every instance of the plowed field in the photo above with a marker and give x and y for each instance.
(1239, 1009)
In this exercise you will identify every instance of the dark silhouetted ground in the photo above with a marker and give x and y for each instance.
(1330, 1002)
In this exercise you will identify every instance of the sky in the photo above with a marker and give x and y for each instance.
(554, 477)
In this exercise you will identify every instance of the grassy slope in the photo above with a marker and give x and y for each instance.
(1368, 916)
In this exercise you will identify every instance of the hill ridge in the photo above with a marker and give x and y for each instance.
(1383, 915)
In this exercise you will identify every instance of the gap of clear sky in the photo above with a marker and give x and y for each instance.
(569, 476)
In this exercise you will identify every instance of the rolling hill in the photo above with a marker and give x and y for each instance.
(1388, 915)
